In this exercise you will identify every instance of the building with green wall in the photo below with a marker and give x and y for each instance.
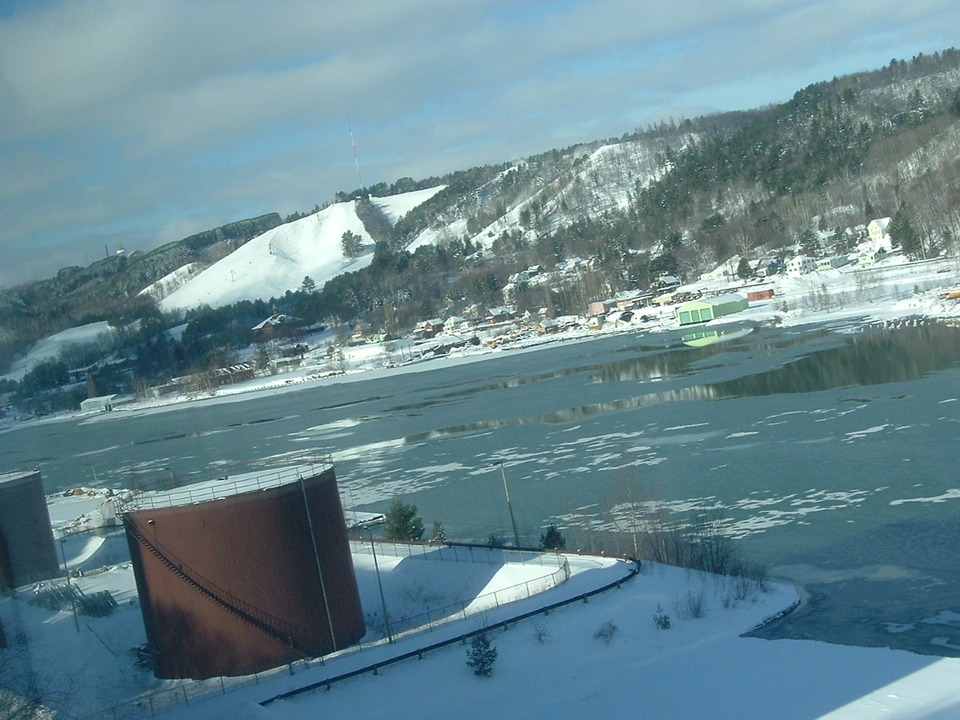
(706, 309)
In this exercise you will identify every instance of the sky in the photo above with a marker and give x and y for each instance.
(134, 123)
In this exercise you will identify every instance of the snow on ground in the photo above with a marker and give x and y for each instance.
(602, 658)
(893, 291)
(396, 206)
(270, 264)
(50, 347)
(279, 260)
(553, 665)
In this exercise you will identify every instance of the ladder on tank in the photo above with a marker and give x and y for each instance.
(271, 625)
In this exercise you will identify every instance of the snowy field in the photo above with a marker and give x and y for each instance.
(602, 658)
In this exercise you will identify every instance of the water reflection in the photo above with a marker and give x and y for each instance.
(867, 358)
(823, 362)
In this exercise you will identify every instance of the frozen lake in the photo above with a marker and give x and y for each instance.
(831, 455)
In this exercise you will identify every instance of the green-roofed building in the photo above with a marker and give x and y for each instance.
(707, 309)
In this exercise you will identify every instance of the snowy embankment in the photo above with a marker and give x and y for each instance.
(603, 658)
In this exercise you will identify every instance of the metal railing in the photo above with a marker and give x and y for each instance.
(463, 609)
(224, 486)
(150, 705)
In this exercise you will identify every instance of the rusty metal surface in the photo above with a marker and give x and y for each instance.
(232, 586)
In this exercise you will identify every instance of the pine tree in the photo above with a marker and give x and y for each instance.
(481, 655)
(552, 539)
(903, 233)
(401, 522)
(351, 244)
(438, 535)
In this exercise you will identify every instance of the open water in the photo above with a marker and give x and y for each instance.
(831, 452)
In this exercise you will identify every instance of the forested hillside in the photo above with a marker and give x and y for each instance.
(678, 198)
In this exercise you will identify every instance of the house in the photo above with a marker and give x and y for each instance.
(704, 310)
(768, 267)
(664, 284)
(273, 326)
(869, 256)
(757, 295)
(427, 329)
(801, 265)
(103, 403)
(498, 315)
(230, 375)
(832, 263)
(879, 230)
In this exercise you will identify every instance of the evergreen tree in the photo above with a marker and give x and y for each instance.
(903, 233)
(809, 242)
(351, 244)
(438, 535)
(743, 269)
(552, 539)
(402, 522)
(481, 655)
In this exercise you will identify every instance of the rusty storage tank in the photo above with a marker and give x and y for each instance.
(27, 550)
(246, 573)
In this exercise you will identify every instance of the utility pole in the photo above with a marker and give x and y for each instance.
(356, 160)
(506, 491)
(383, 602)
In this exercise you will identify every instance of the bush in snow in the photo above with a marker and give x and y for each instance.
(661, 619)
(481, 655)
(540, 633)
(693, 605)
(606, 632)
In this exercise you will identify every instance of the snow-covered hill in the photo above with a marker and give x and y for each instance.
(277, 261)
(52, 347)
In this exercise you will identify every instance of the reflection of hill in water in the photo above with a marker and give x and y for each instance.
(867, 358)
(809, 362)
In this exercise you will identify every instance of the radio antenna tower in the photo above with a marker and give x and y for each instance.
(356, 160)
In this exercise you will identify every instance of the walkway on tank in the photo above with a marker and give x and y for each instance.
(504, 586)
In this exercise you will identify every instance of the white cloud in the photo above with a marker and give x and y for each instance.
(129, 114)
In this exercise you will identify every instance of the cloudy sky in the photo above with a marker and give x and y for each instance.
(138, 122)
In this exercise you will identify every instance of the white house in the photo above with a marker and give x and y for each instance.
(801, 265)
(102, 403)
(879, 230)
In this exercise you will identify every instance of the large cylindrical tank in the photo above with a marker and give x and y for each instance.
(243, 574)
(27, 550)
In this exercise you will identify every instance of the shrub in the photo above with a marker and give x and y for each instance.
(540, 633)
(606, 632)
(481, 655)
(661, 619)
(693, 605)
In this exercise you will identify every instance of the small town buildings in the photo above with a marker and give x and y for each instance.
(706, 309)
(498, 315)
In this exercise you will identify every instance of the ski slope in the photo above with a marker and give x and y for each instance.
(277, 261)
